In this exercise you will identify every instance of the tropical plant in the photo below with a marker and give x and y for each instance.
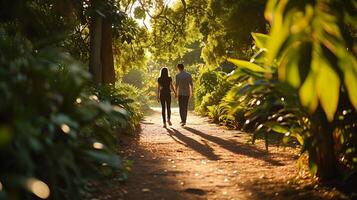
(307, 49)
(267, 108)
(312, 43)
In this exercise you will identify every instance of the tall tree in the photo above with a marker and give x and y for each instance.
(95, 61)
(106, 53)
(101, 61)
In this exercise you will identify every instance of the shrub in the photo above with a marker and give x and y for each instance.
(205, 84)
(212, 87)
(53, 133)
(134, 77)
(125, 97)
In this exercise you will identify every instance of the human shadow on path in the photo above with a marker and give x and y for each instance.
(204, 150)
(237, 147)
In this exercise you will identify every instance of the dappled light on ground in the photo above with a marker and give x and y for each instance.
(205, 161)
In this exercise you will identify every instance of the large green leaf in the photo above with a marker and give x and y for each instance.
(289, 66)
(260, 40)
(299, 138)
(248, 65)
(313, 167)
(280, 30)
(275, 126)
(328, 88)
(307, 94)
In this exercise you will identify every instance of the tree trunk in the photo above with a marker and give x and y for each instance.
(323, 152)
(95, 64)
(108, 73)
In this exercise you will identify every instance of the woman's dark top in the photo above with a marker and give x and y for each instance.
(165, 85)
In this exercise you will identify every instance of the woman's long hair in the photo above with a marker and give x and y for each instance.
(164, 73)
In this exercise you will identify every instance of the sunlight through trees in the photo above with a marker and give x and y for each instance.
(76, 75)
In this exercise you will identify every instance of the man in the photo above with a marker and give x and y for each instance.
(184, 89)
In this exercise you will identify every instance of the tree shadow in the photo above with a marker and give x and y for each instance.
(149, 178)
(237, 147)
(204, 150)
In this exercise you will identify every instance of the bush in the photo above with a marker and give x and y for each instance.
(134, 77)
(53, 133)
(128, 98)
(205, 84)
(211, 87)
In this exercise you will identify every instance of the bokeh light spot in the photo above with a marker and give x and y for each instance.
(78, 100)
(93, 97)
(38, 188)
(65, 128)
(98, 145)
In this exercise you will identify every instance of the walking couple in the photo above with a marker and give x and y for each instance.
(183, 90)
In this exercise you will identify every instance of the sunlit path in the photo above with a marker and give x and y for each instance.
(205, 161)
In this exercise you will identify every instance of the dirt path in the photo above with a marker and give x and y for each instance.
(205, 161)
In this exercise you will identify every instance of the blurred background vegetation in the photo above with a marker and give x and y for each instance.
(73, 74)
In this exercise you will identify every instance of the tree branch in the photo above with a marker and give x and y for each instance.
(183, 4)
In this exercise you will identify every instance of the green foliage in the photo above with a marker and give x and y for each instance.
(283, 112)
(211, 86)
(150, 83)
(56, 131)
(205, 84)
(28, 17)
(266, 106)
(268, 109)
(172, 36)
(126, 99)
(218, 113)
(50, 128)
(131, 55)
(269, 99)
(228, 26)
(139, 13)
(134, 77)
(313, 45)
(326, 55)
(221, 28)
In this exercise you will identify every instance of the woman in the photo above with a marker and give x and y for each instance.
(164, 88)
